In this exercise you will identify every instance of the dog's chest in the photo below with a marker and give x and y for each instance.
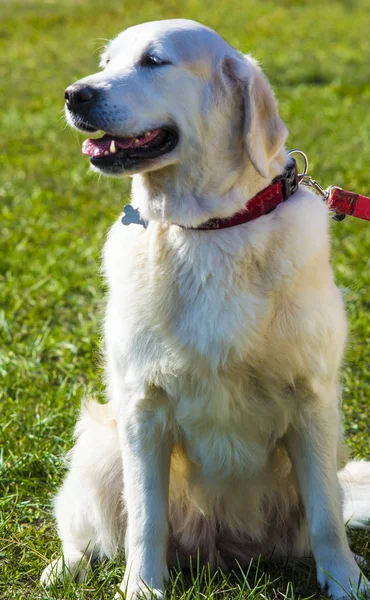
(204, 303)
(192, 300)
(187, 320)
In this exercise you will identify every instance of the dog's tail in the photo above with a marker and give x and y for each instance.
(354, 479)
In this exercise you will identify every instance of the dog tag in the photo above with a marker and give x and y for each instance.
(132, 215)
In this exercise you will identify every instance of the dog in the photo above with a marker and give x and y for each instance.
(221, 438)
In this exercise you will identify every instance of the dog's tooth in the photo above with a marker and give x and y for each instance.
(136, 140)
(147, 133)
(112, 147)
(106, 152)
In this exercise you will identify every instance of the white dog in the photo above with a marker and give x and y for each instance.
(222, 435)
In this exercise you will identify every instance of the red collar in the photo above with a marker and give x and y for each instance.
(279, 190)
(341, 202)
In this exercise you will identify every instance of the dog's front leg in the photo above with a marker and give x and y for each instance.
(312, 446)
(146, 453)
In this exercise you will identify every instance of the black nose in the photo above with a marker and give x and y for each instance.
(77, 95)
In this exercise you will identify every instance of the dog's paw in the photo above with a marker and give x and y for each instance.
(343, 579)
(64, 570)
(138, 584)
(139, 592)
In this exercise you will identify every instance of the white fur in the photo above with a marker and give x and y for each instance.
(222, 434)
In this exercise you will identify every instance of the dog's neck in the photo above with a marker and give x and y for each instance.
(170, 195)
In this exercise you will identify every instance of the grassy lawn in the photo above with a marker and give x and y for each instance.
(54, 217)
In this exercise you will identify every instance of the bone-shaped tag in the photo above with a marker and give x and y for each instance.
(132, 215)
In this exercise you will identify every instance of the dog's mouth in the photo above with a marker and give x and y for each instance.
(113, 153)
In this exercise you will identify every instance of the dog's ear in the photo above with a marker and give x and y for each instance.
(264, 132)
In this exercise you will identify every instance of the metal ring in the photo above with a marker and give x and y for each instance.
(305, 159)
(331, 189)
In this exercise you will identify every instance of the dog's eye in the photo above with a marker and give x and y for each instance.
(150, 60)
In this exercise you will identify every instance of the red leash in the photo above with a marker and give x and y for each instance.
(349, 203)
(341, 202)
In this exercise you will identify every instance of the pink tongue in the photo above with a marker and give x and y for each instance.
(96, 147)
(99, 147)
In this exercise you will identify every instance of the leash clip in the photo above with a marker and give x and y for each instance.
(324, 194)
(309, 181)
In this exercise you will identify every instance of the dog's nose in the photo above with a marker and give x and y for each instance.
(78, 95)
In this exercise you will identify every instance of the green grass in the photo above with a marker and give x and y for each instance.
(54, 216)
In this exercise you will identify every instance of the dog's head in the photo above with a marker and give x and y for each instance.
(175, 94)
